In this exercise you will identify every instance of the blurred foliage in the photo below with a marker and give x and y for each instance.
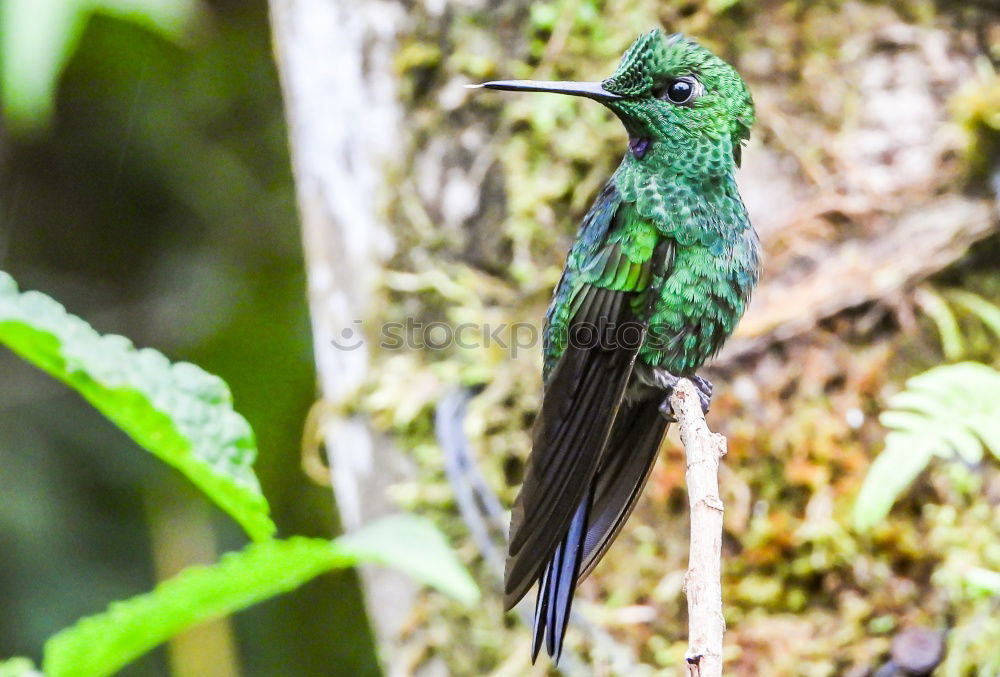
(951, 411)
(101, 645)
(37, 37)
(184, 416)
(159, 203)
(977, 108)
(18, 667)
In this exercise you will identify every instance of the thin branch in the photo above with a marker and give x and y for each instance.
(480, 509)
(703, 582)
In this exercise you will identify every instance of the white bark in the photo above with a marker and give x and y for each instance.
(703, 582)
(335, 62)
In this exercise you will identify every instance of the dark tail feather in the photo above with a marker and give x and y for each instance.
(557, 585)
(598, 519)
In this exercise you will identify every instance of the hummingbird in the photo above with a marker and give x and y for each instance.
(657, 278)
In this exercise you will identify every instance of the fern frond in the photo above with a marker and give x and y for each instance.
(952, 411)
(987, 312)
(938, 310)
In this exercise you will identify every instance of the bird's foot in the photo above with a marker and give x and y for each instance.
(664, 379)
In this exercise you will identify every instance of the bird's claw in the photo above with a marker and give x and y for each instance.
(705, 389)
(667, 411)
(668, 382)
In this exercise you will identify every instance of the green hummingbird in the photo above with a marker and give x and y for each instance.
(659, 275)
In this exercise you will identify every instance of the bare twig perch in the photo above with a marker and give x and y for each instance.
(703, 584)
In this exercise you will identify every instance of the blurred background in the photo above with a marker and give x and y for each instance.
(145, 183)
(152, 195)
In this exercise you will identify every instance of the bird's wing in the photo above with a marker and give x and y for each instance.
(625, 467)
(602, 291)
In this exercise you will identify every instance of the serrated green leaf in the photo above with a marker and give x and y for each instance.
(178, 412)
(100, 645)
(18, 667)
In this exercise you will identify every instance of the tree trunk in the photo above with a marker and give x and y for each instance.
(334, 60)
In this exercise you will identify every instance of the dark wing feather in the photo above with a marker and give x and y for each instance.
(624, 465)
(572, 428)
(631, 452)
(600, 290)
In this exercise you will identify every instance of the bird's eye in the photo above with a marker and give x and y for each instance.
(680, 91)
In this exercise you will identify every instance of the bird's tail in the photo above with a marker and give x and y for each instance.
(557, 584)
(634, 442)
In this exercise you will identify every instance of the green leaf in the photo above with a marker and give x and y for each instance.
(983, 581)
(18, 667)
(952, 411)
(963, 444)
(178, 412)
(913, 403)
(37, 38)
(938, 310)
(414, 545)
(719, 6)
(890, 474)
(905, 421)
(988, 313)
(101, 644)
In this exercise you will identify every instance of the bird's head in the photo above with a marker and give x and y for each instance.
(675, 98)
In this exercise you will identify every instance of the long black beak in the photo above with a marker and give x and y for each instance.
(591, 90)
